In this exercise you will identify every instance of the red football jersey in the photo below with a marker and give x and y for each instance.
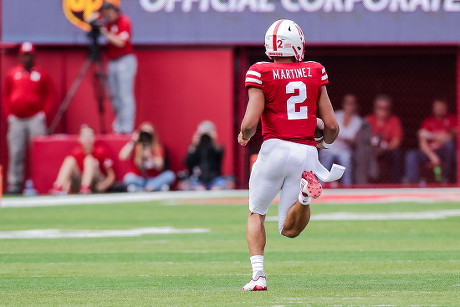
(291, 93)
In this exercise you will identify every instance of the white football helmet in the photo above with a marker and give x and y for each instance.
(284, 38)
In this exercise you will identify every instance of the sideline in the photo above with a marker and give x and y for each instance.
(112, 198)
(338, 196)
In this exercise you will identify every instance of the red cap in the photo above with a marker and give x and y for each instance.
(27, 47)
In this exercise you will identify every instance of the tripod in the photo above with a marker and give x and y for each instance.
(100, 84)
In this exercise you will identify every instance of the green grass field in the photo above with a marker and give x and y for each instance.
(405, 262)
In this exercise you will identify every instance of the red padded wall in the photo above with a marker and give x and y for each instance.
(175, 89)
(48, 152)
(180, 88)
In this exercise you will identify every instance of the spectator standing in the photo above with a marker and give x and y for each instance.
(349, 123)
(204, 160)
(28, 99)
(122, 66)
(436, 144)
(387, 134)
(148, 157)
(88, 167)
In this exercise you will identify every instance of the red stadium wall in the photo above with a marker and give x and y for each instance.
(458, 115)
(175, 89)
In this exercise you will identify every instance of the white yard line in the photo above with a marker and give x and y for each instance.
(90, 233)
(385, 216)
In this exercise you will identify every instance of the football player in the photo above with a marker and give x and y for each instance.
(287, 93)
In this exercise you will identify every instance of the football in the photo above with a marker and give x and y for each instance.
(319, 131)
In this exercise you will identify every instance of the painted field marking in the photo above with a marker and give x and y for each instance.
(90, 233)
(375, 216)
(239, 197)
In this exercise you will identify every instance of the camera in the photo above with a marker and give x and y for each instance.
(95, 24)
(205, 140)
(94, 50)
(146, 138)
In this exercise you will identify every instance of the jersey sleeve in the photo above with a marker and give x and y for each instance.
(124, 29)
(254, 77)
(324, 76)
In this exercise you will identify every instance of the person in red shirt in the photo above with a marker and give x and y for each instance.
(387, 134)
(122, 66)
(88, 166)
(148, 161)
(27, 100)
(287, 94)
(436, 144)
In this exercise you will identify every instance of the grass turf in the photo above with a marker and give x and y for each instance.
(409, 262)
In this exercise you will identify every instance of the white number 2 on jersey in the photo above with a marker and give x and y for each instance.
(291, 102)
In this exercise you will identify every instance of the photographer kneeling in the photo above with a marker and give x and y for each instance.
(148, 161)
(204, 161)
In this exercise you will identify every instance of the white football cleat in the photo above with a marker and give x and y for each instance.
(309, 185)
(260, 284)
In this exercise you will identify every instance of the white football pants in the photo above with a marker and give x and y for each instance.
(279, 166)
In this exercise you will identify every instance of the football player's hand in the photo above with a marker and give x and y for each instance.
(241, 140)
(320, 145)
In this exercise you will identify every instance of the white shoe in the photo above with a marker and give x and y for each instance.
(260, 284)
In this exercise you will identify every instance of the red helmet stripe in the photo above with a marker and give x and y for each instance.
(300, 30)
(296, 54)
(275, 46)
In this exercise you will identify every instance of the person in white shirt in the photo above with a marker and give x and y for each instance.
(349, 123)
